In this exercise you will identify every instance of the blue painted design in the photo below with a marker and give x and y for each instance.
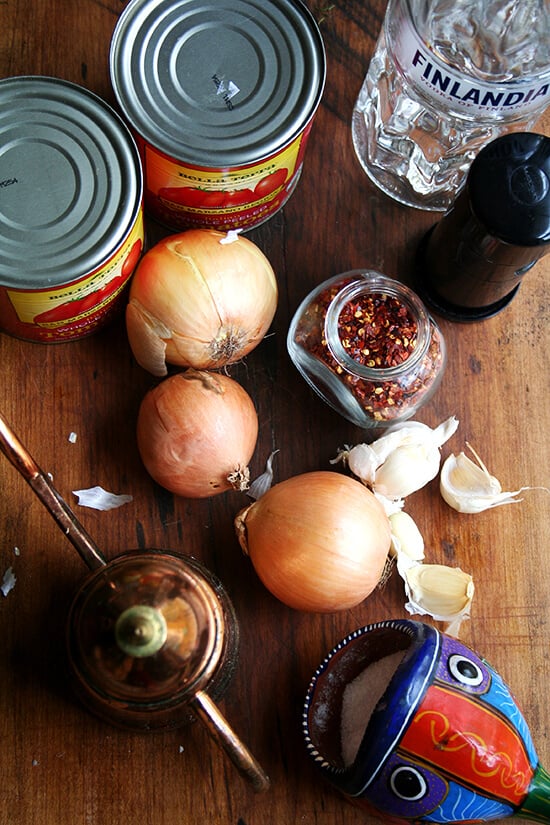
(463, 804)
(399, 785)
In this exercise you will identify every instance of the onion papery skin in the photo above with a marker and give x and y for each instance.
(318, 541)
(197, 302)
(196, 434)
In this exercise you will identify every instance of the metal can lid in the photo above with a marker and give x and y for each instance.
(219, 83)
(70, 182)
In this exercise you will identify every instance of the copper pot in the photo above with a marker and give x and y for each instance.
(152, 636)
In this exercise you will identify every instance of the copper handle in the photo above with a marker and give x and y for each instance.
(207, 711)
(21, 459)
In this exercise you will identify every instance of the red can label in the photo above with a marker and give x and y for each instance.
(184, 196)
(74, 310)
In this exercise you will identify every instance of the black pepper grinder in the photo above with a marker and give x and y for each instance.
(470, 265)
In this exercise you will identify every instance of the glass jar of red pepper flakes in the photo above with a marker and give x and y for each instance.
(368, 347)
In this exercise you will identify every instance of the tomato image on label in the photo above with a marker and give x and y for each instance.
(270, 183)
(238, 197)
(192, 196)
(66, 311)
(130, 262)
(197, 197)
(74, 307)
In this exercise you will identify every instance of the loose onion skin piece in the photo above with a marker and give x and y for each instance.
(318, 541)
(196, 433)
(197, 302)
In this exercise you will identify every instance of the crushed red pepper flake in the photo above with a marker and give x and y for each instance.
(377, 331)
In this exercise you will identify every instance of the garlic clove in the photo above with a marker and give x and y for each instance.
(470, 488)
(413, 432)
(408, 468)
(444, 431)
(406, 538)
(442, 592)
(438, 435)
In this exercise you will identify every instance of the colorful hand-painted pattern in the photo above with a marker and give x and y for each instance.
(446, 743)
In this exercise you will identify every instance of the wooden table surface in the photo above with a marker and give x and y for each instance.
(58, 764)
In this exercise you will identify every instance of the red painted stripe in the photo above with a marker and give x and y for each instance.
(469, 742)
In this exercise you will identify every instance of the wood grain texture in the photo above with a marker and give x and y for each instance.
(60, 766)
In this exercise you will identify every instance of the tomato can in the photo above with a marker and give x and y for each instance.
(71, 209)
(220, 96)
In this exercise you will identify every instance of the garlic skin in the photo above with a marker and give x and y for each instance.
(362, 461)
(231, 236)
(99, 499)
(470, 488)
(390, 505)
(403, 460)
(263, 482)
(444, 593)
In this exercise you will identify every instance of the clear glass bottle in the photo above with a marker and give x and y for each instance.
(368, 347)
(446, 77)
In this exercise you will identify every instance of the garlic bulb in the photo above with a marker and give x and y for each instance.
(399, 463)
(403, 460)
(444, 593)
(469, 487)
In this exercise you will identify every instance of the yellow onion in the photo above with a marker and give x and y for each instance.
(196, 433)
(199, 299)
(318, 541)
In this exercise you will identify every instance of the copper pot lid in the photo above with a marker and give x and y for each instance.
(146, 629)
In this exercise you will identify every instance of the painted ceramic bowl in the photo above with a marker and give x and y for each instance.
(416, 727)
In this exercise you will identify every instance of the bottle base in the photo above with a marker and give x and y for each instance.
(391, 183)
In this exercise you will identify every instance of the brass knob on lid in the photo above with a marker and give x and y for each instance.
(141, 631)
